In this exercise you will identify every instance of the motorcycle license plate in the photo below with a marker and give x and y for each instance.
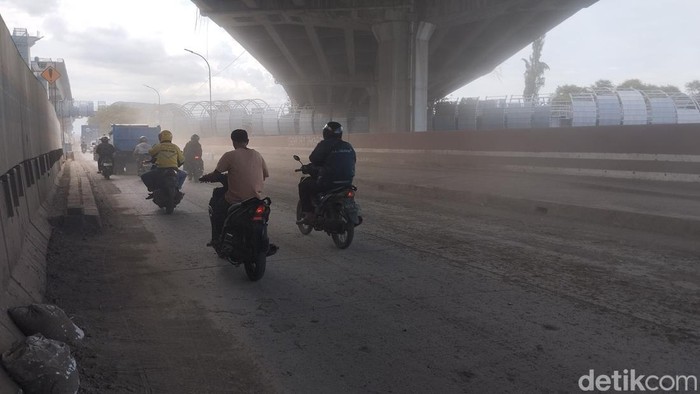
(106, 164)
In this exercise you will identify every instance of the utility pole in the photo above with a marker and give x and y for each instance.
(154, 89)
(211, 108)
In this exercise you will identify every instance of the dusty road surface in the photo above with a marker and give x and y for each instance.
(433, 296)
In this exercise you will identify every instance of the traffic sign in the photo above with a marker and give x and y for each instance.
(50, 74)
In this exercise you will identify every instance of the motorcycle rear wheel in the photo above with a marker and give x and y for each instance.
(169, 202)
(255, 269)
(303, 228)
(344, 239)
(197, 174)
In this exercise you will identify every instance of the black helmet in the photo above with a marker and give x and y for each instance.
(104, 139)
(194, 137)
(332, 130)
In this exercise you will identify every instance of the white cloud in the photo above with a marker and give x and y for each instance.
(111, 51)
(612, 39)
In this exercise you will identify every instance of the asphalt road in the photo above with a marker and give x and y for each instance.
(433, 296)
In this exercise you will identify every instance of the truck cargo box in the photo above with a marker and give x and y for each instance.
(125, 137)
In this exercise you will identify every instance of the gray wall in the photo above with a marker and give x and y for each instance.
(30, 160)
(651, 152)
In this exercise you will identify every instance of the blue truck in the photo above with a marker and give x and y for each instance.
(124, 138)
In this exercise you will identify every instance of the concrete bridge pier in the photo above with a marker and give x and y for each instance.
(324, 113)
(401, 99)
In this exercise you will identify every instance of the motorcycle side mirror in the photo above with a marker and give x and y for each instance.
(296, 158)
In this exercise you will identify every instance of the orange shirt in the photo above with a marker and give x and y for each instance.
(246, 172)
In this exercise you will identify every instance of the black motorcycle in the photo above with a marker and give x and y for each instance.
(194, 168)
(244, 239)
(167, 195)
(107, 167)
(336, 211)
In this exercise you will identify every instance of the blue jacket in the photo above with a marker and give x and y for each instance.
(335, 160)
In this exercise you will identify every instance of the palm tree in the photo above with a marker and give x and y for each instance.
(534, 70)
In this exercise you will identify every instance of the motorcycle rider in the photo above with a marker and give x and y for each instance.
(104, 150)
(246, 172)
(141, 151)
(192, 151)
(332, 164)
(166, 155)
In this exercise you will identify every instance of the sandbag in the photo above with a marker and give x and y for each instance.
(46, 319)
(41, 365)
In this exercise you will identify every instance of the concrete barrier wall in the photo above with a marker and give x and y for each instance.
(669, 139)
(30, 160)
(660, 152)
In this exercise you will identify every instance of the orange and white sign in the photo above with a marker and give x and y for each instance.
(50, 74)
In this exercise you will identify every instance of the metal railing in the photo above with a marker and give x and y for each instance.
(599, 107)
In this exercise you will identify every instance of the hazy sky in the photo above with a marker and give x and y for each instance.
(111, 52)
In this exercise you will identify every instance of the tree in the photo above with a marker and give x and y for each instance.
(639, 85)
(603, 83)
(669, 88)
(534, 70)
(632, 84)
(563, 91)
(693, 88)
(114, 114)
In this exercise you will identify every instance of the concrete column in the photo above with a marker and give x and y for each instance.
(402, 76)
(339, 114)
(393, 74)
(423, 32)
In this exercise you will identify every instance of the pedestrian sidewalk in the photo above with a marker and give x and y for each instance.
(81, 208)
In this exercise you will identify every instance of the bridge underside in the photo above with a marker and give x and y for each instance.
(386, 58)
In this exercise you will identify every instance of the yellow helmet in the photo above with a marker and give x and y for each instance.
(165, 136)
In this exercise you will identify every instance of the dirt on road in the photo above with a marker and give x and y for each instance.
(101, 278)
(484, 298)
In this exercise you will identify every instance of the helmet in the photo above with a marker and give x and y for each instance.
(332, 130)
(104, 139)
(194, 138)
(165, 136)
(143, 139)
(239, 135)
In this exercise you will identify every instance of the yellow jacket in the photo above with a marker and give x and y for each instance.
(167, 154)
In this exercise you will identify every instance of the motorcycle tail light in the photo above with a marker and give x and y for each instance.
(196, 157)
(259, 212)
(350, 194)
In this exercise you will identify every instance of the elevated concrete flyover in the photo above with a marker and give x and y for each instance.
(386, 58)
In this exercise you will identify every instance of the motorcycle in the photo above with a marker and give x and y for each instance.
(243, 238)
(337, 212)
(107, 167)
(143, 163)
(167, 195)
(194, 168)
